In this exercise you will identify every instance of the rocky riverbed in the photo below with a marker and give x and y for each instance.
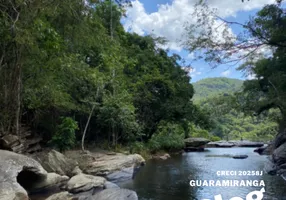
(76, 175)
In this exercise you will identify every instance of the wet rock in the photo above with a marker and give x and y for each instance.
(279, 155)
(115, 194)
(54, 161)
(270, 167)
(162, 157)
(109, 185)
(61, 196)
(240, 156)
(196, 142)
(266, 150)
(122, 175)
(84, 182)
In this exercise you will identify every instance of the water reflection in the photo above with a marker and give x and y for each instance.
(169, 179)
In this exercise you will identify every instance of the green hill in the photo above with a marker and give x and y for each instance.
(210, 87)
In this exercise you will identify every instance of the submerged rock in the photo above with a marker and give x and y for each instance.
(240, 156)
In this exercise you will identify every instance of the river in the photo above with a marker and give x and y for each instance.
(169, 179)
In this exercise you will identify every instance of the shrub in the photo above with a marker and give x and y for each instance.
(64, 138)
(169, 136)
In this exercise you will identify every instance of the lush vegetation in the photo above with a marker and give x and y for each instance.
(228, 119)
(69, 69)
(70, 72)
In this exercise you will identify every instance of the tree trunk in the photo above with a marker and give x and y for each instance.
(85, 129)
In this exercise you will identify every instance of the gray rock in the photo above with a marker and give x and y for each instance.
(221, 144)
(20, 175)
(52, 180)
(11, 164)
(115, 194)
(279, 155)
(265, 150)
(84, 182)
(196, 142)
(162, 157)
(54, 161)
(61, 196)
(246, 143)
(109, 185)
(122, 175)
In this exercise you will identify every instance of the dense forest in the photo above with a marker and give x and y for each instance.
(68, 69)
(218, 97)
(70, 73)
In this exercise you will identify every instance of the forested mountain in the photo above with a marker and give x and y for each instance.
(219, 97)
(211, 87)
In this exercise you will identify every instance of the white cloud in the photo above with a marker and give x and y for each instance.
(191, 56)
(170, 19)
(226, 73)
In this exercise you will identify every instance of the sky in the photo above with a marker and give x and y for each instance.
(167, 18)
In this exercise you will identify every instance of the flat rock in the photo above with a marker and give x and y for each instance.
(246, 143)
(115, 194)
(54, 161)
(102, 164)
(221, 144)
(84, 182)
(196, 142)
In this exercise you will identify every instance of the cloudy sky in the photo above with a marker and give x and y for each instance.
(166, 18)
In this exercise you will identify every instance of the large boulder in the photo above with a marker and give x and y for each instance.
(54, 161)
(108, 164)
(115, 194)
(279, 155)
(84, 182)
(195, 144)
(265, 150)
(20, 175)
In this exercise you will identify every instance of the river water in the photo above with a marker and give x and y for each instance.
(169, 179)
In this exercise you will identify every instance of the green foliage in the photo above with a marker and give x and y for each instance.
(169, 136)
(230, 119)
(64, 138)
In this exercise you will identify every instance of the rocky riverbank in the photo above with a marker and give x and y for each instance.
(75, 175)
